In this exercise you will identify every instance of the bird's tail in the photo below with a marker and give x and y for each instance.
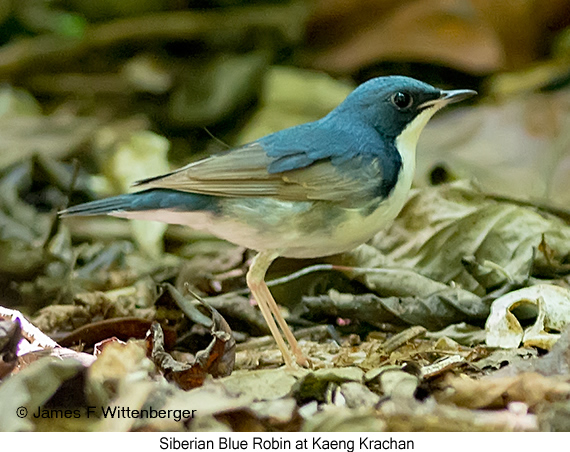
(101, 207)
(147, 200)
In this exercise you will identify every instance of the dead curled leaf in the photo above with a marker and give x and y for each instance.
(122, 328)
(240, 313)
(440, 226)
(322, 384)
(552, 304)
(216, 360)
(434, 311)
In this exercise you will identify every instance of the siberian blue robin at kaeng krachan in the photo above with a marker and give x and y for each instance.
(312, 190)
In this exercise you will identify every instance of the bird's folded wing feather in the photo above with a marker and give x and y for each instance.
(243, 172)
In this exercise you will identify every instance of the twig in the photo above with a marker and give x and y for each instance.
(316, 333)
(288, 18)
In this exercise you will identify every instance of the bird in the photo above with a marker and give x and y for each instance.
(308, 191)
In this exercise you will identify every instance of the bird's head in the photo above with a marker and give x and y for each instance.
(396, 104)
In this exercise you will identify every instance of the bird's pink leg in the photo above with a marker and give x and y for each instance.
(256, 282)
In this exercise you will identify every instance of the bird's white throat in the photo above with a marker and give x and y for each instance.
(407, 141)
(406, 144)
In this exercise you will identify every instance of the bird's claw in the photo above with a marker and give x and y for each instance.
(304, 362)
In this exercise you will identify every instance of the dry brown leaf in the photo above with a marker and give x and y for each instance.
(409, 415)
(216, 360)
(265, 384)
(356, 395)
(55, 136)
(440, 226)
(492, 392)
(476, 36)
(232, 411)
(438, 31)
(119, 360)
(343, 419)
(123, 328)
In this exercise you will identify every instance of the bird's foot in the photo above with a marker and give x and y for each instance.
(295, 359)
(303, 361)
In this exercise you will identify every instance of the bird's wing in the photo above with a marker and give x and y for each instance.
(246, 172)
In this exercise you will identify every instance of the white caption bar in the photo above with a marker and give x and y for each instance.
(229, 442)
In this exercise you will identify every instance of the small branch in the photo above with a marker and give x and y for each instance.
(288, 18)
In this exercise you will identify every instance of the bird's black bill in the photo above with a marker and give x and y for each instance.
(448, 97)
(456, 95)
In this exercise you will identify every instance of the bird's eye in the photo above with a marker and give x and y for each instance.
(401, 100)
